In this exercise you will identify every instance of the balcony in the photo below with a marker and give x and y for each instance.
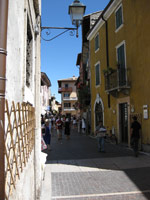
(70, 98)
(65, 89)
(69, 109)
(116, 82)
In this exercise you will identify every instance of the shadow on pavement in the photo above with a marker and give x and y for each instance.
(81, 151)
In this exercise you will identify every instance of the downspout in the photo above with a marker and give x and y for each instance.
(37, 146)
(3, 54)
(107, 52)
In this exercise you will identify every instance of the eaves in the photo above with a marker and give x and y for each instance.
(109, 9)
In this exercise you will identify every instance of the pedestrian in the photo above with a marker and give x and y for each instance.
(59, 127)
(67, 128)
(135, 135)
(100, 132)
(79, 124)
(74, 122)
(47, 136)
(83, 125)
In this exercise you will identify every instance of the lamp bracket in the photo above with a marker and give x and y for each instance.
(48, 32)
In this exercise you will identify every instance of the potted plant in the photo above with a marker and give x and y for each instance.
(108, 71)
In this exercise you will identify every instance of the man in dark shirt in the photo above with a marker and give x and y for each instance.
(135, 134)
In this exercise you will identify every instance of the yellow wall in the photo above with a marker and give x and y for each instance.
(136, 34)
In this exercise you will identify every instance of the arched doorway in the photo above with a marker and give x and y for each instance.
(98, 113)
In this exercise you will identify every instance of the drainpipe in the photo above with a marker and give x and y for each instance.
(37, 146)
(107, 52)
(3, 53)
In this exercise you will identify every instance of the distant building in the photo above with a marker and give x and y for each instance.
(45, 93)
(55, 105)
(69, 98)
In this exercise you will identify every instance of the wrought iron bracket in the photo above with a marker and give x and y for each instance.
(48, 32)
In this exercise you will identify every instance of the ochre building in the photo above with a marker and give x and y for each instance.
(120, 73)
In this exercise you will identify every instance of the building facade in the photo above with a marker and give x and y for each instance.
(22, 106)
(45, 93)
(83, 81)
(119, 48)
(69, 98)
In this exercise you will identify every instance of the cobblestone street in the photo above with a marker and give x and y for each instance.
(75, 170)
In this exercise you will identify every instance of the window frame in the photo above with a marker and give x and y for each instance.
(98, 42)
(121, 25)
(66, 85)
(67, 103)
(117, 47)
(66, 94)
(97, 64)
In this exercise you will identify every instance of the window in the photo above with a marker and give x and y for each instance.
(29, 56)
(66, 85)
(66, 95)
(119, 17)
(97, 73)
(97, 42)
(67, 105)
(121, 64)
(121, 55)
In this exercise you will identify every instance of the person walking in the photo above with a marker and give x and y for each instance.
(47, 136)
(67, 128)
(59, 127)
(74, 122)
(135, 135)
(100, 132)
(83, 125)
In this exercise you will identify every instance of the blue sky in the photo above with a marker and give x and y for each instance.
(58, 57)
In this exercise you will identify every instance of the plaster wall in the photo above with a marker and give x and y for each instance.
(15, 48)
(28, 187)
(16, 89)
(25, 186)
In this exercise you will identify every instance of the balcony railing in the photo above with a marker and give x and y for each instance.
(69, 108)
(70, 98)
(65, 89)
(117, 80)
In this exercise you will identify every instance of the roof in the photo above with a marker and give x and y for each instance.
(101, 16)
(72, 79)
(45, 80)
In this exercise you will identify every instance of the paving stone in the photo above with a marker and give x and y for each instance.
(75, 170)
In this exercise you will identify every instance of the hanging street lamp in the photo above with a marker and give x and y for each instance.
(76, 12)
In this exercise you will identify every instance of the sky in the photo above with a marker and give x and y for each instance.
(59, 56)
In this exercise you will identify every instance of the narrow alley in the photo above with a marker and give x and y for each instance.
(75, 170)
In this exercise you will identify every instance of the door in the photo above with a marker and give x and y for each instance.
(123, 122)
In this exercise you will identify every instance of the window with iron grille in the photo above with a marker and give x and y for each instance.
(119, 17)
(29, 48)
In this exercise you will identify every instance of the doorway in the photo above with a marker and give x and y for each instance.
(98, 113)
(123, 122)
